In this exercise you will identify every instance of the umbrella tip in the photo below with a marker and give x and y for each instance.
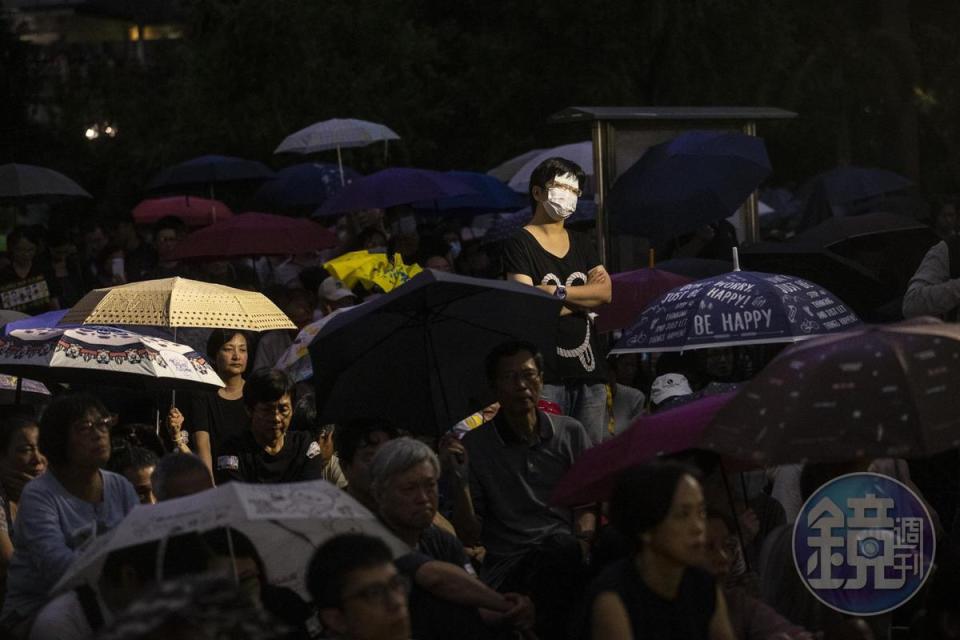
(736, 259)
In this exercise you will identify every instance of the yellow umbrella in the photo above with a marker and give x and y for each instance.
(371, 269)
(178, 302)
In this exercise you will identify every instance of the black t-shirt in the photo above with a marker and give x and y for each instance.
(686, 617)
(243, 460)
(222, 419)
(579, 357)
(432, 618)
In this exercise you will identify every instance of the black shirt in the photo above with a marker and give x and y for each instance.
(579, 356)
(432, 618)
(242, 459)
(686, 617)
(222, 419)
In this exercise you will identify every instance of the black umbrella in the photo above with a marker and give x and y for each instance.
(210, 170)
(415, 356)
(696, 268)
(28, 181)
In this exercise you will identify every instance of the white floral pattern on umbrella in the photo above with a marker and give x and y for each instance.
(94, 354)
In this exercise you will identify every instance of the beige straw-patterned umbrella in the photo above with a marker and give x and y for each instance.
(178, 302)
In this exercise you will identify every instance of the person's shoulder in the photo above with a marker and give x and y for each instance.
(565, 425)
(479, 434)
(611, 578)
(436, 535)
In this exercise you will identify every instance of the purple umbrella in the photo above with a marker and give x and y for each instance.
(392, 187)
(632, 292)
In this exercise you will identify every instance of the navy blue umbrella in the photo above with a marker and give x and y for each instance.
(415, 356)
(491, 196)
(393, 187)
(737, 308)
(697, 178)
(304, 185)
(842, 185)
(209, 170)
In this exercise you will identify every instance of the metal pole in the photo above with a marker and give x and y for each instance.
(751, 208)
(600, 142)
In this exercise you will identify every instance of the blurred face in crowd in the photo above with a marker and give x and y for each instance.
(95, 241)
(518, 383)
(411, 498)
(438, 263)
(946, 220)
(248, 575)
(23, 252)
(270, 420)
(188, 483)
(679, 538)
(373, 606)
(357, 471)
(23, 454)
(90, 440)
(719, 363)
(140, 479)
(232, 356)
(166, 241)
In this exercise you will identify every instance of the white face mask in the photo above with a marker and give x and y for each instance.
(562, 202)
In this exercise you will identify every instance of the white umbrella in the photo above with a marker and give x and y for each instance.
(285, 522)
(336, 134)
(105, 355)
(579, 152)
(506, 170)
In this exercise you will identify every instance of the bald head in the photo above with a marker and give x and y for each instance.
(180, 474)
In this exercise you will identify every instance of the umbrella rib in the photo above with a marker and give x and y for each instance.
(296, 534)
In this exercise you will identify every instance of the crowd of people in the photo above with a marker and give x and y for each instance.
(682, 548)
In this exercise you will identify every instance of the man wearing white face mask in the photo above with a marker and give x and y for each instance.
(565, 264)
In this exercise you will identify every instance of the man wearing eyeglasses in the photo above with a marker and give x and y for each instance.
(357, 590)
(267, 452)
(563, 263)
(502, 475)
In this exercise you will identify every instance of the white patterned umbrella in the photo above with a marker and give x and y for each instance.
(105, 355)
(336, 134)
(285, 522)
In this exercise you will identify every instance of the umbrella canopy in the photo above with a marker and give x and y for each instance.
(852, 282)
(877, 392)
(55, 319)
(392, 187)
(251, 234)
(434, 332)
(578, 152)
(295, 361)
(31, 391)
(285, 522)
(195, 212)
(697, 178)
(738, 308)
(178, 302)
(105, 355)
(304, 185)
(27, 180)
(848, 184)
(491, 195)
(632, 292)
(593, 476)
(836, 231)
(210, 170)
(506, 170)
(337, 132)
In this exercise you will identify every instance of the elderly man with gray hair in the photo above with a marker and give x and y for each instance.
(448, 600)
(179, 474)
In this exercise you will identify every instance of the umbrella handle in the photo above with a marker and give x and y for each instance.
(736, 518)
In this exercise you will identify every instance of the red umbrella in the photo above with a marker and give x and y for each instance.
(594, 474)
(632, 292)
(252, 234)
(195, 212)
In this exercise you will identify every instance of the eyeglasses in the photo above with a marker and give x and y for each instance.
(270, 409)
(566, 187)
(102, 425)
(528, 377)
(381, 592)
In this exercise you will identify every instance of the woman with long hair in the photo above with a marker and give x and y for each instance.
(659, 590)
(215, 417)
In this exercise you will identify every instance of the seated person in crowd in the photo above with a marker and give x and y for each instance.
(74, 501)
(267, 452)
(448, 600)
(305, 419)
(179, 474)
(359, 593)
(356, 443)
(20, 462)
(502, 475)
(127, 573)
(136, 464)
